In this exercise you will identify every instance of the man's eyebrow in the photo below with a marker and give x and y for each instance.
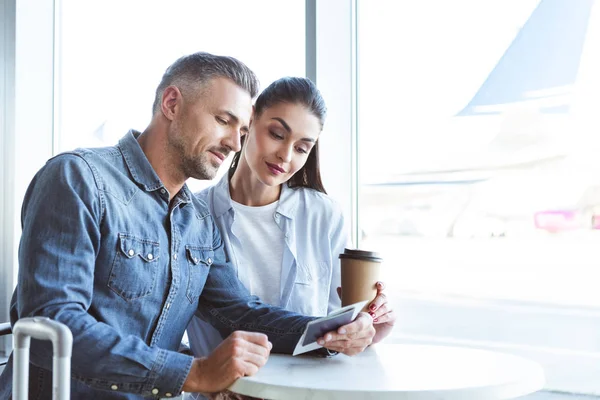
(234, 118)
(289, 130)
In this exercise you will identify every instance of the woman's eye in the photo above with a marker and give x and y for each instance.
(301, 150)
(221, 121)
(276, 136)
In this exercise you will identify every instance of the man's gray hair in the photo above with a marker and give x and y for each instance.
(190, 71)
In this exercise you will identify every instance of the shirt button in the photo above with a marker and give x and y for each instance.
(163, 191)
(131, 252)
(209, 261)
(195, 260)
(168, 394)
(114, 387)
(174, 256)
(150, 256)
(155, 391)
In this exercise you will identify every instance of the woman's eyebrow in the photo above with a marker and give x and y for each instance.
(289, 130)
(282, 122)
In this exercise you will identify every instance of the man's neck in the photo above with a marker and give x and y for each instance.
(155, 148)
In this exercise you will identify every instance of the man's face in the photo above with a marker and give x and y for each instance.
(206, 129)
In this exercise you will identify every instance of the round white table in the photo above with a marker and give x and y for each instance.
(396, 371)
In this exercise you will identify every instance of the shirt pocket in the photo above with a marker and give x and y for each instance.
(134, 271)
(199, 260)
(310, 294)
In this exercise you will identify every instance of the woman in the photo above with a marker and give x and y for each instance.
(281, 231)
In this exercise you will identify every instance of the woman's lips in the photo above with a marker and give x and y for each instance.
(275, 169)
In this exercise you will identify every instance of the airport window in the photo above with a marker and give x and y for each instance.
(478, 172)
(111, 62)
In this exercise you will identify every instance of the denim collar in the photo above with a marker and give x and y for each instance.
(140, 168)
(222, 199)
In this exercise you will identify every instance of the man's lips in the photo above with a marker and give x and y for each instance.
(275, 168)
(219, 155)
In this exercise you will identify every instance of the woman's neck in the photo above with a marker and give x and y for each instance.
(246, 189)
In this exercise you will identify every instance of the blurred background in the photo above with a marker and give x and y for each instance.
(462, 142)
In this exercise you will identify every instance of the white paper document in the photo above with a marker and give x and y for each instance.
(319, 327)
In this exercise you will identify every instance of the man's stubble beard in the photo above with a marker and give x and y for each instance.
(197, 167)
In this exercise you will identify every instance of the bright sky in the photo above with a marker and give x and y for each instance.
(420, 63)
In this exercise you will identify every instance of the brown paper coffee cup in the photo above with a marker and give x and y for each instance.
(360, 272)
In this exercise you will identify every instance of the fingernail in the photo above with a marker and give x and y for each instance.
(372, 315)
(321, 342)
(372, 307)
(327, 337)
(342, 331)
(375, 320)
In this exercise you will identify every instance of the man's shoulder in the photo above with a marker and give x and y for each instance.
(91, 156)
(105, 164)
(97, 154)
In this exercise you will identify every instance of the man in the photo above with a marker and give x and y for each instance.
(115, 246)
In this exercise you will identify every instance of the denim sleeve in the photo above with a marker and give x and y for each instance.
(227, 305)
(61, 220)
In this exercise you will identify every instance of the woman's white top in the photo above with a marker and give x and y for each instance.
(259, 239)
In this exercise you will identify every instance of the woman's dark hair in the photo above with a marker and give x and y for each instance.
(300, 91)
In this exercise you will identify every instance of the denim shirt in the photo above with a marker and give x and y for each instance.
(315, 234)
(105, 252)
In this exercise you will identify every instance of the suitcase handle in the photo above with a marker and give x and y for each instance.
(42, 328)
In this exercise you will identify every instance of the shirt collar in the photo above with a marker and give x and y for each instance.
(140, 168)
(288, 201)
(222, 198)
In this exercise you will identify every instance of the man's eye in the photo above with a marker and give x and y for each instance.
(221, 121)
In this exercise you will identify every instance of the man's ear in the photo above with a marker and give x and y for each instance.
(171, 102)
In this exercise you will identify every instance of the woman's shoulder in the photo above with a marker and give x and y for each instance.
(318, 202)
(204, 194)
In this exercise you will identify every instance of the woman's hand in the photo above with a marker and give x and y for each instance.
(382, 313)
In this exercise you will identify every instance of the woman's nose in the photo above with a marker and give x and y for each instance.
(285, 153)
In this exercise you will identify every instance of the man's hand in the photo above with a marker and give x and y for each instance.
(241, 354)
(350, 339)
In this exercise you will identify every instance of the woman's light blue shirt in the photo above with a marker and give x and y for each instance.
(315, 234)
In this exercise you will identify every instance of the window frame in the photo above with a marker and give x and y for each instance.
(28, 84)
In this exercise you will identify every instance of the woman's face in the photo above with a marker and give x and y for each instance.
(279, 142)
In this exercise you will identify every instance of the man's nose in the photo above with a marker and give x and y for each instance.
(232, 140)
